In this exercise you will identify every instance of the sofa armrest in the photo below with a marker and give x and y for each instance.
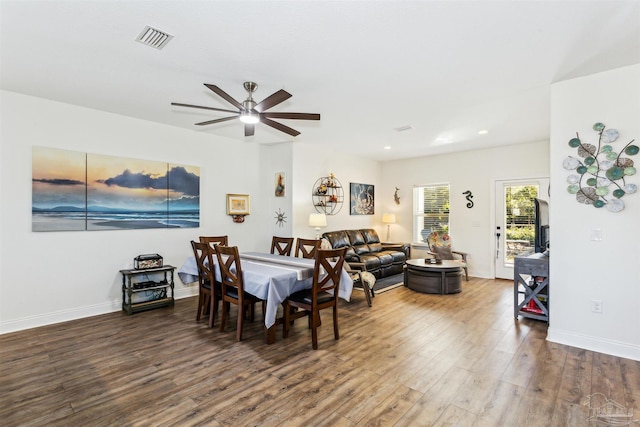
(402, 247)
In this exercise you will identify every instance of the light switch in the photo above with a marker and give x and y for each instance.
(596, 234)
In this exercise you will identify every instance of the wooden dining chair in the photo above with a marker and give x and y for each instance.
(215, 240)
(233, 288)
(307, 248)
(323, 294)
(210, 291)
(282, 244)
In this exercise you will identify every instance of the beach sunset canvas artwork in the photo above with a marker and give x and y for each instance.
(116, 193)
(58, 190)
(183, 183)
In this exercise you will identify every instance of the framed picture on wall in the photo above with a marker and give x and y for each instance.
(280, 184)
(238, 204)
(362, 199)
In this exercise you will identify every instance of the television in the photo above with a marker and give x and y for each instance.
(541, 225)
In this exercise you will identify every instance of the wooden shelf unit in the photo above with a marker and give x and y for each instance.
(531, 287)
(151, 292)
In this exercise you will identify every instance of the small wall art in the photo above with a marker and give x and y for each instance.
(238, 204)
(469, 196)
(280, 217)
(362, 199)
(280, 184)
(396, 197)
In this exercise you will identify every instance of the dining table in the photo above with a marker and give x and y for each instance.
(271, 278)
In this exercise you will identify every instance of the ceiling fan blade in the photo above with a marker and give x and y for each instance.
(249, 129)
(279, 126)
(204, 108)
(296, 116)
(273, 99)
(225, 96)
(210, 122)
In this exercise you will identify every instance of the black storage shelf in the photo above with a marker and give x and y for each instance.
(162, 289)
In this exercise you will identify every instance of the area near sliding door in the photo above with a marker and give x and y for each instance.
(515, 220)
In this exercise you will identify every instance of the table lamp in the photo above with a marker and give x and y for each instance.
(317, 220)
(388, 219)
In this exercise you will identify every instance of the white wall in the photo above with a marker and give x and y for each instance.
(471, 229)
(582, 269)
(56, 276)
(309, 164)
(273, 160)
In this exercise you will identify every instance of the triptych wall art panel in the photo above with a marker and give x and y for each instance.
(80, 191)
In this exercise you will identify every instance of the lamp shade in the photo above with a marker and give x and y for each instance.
(317, 220)
(388, 218)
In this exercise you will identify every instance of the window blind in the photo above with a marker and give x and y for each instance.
(431, 210)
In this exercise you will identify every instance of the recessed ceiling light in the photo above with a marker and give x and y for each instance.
(387, 147)
(483, 132)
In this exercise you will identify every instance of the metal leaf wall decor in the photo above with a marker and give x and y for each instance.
(600, 171)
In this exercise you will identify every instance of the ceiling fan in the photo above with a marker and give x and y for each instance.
(249, 112)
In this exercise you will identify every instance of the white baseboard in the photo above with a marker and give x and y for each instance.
(77, 313)
(599, 344)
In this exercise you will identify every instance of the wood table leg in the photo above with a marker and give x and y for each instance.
(270, 334)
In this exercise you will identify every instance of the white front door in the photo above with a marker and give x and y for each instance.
(515, 219)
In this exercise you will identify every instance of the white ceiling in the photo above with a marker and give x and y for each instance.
(447, 68)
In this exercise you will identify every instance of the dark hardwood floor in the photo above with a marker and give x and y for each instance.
(410, 360)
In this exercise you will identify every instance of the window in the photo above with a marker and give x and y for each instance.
(430, 210)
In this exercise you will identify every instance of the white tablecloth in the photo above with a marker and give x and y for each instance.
(271, 277)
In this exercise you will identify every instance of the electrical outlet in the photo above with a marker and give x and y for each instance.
(596, 306)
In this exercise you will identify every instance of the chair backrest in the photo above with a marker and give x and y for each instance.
(230, 268)
(307, 248)
(440, 245)
(204, 260)
(327, 270)
(281, 244)
(213, 241)
(438, 239)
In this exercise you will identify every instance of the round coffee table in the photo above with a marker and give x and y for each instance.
(443, 278)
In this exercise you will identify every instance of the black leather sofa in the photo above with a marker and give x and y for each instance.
(364, 246)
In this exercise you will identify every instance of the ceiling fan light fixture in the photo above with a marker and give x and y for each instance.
(251, 112)
(249, 117)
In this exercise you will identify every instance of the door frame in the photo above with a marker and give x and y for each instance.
(493, 213)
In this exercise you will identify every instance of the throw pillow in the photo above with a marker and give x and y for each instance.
(368, 278)
(443, 252)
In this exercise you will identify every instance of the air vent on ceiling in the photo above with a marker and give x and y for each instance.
(403, 128)
(154, 37)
